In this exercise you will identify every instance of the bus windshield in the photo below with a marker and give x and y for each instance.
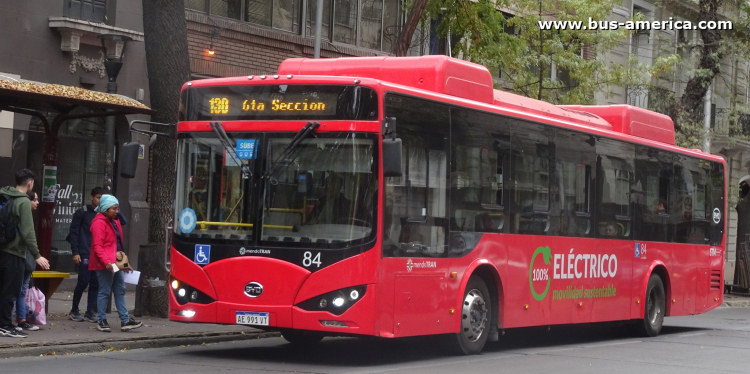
(210, 182)
(323, 194)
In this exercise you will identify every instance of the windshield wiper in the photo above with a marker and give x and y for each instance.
(224, 139)
(301, 135)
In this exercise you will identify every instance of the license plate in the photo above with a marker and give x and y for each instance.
(252, 318)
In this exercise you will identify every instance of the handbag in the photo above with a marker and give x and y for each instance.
(30, 262)
(121, 260)
(36, 311)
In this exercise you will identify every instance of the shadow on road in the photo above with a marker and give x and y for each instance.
(370, 351)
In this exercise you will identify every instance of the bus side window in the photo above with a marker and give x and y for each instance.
(415, 222)
(480, 143)
(614, 177)
(575, 155)
(532, 164)
(654, 173)
(716, 206)
(691, 180)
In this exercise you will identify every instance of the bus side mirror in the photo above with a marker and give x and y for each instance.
(392, 157)
(129, 159)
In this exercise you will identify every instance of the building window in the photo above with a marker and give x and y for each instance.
(227, 8)
(370, 24)
(279, 14)
(199, 5)
(87, 10)
(345, 22)
(312, 7)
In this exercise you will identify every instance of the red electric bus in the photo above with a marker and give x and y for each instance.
(398, 197)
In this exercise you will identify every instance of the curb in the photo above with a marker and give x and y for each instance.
(736, 303)
(141, 342)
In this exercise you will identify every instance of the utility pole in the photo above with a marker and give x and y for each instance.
(707, 121)
(318, 28)
(114, 45)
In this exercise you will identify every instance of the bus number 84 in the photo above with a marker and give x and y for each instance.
(308, 259)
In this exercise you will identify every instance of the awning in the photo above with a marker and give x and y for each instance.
(43, 100)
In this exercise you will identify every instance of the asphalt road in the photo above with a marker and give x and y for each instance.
(716, 342)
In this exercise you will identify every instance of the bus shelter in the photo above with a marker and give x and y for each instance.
(53, 105)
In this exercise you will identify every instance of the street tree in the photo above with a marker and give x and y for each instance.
(168, 69)
(514, 46)
(704, 58)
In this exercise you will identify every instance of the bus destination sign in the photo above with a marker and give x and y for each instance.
(222, 105)
(279, 102)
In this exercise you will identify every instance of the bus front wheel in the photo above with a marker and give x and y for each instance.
(476, 310)
(301, 338)
(655, 307)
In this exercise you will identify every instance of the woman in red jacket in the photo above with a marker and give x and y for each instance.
(106, 240)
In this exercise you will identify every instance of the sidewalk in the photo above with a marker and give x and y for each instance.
(736, 300)
(62, 336)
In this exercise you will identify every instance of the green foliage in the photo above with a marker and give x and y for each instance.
(516, 49)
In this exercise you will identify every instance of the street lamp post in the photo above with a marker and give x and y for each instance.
(114, 45)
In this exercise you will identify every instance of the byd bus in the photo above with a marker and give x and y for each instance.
(398, 197)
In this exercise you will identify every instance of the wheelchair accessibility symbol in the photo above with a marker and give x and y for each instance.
(202, 254)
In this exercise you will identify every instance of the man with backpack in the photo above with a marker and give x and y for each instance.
(16, 237)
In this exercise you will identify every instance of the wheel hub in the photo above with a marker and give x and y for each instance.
(473, 316)
(654, 309)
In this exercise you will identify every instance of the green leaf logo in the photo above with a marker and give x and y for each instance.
(546, 255)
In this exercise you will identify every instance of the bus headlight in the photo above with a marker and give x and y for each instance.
(341, 300)
(184, 293)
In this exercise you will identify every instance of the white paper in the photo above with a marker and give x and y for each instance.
(132, 277)
(115, 269)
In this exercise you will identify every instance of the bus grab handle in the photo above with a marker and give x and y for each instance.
(168, 247)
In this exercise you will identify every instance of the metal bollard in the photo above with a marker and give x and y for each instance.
(138, 311)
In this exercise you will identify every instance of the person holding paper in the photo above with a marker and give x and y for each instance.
(106, 241)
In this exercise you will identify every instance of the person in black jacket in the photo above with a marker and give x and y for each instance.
(80, 243)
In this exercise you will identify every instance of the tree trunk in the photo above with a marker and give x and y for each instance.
(690, 105)
(404, 40)
(168, 69)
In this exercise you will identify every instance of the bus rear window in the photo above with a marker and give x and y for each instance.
(280, 102)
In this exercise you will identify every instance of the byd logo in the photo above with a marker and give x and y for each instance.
(254, 289)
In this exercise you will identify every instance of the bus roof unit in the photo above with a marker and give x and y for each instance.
(436, 73)
(467, 80)
(632, 120)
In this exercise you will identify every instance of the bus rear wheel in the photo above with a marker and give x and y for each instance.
(655, 308)
(302, 338)
(476, 311)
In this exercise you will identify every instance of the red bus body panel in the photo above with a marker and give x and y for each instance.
(419, 296)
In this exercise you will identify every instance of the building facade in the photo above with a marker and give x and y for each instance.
(729, 90)
(58, 42)
(251, 37)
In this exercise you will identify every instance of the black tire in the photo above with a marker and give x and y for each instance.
(300, 338)
(655, 307)
(476, 311)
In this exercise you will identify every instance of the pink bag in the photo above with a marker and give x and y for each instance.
(35, 303)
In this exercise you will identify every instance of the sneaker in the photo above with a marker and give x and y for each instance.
(131, 324)
(27, 326)
(103, 326)
(75, 316)
(13, 332)
(90, 317)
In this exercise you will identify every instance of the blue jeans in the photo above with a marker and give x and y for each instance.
(86, 278)
(21, 307)
(111, 283)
